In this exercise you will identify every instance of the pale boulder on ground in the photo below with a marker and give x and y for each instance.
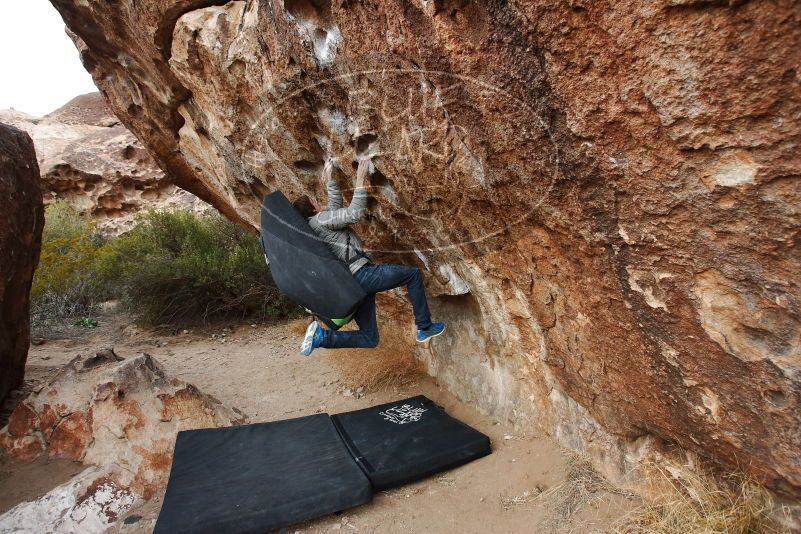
(87, 504)
(21, 226)
(604, 193)
(90, 160)
(119, 415)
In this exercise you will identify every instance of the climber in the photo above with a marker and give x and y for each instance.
(332, 225)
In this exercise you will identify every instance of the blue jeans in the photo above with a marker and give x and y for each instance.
(375, 278)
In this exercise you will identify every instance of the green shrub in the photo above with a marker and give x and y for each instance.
(177, 267)
(173, 267)
(66, 282)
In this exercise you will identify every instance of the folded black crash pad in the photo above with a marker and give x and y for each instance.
(302, 265)
(404, 441)
(253, 478)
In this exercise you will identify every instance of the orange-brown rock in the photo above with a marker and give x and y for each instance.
(604, 194)
(70, 437)
(48, 418)
(21, 226)
(22, 421)
(24, 449)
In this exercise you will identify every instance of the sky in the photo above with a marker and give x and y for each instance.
(40, 69)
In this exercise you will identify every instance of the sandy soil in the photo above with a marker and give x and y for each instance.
(257, 369)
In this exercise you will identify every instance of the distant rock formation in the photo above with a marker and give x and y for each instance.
(21, 226)
(120, 418)
(606, 193)
(89, 159)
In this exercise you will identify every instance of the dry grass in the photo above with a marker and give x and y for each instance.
(527, 497)
(583, 486)
(391, 364)
(691, 502)
(298, 326)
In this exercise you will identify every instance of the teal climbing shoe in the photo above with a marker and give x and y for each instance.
(432, 331)
(313, 338)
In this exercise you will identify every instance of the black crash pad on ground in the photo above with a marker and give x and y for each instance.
(302, 265)
(400, 442)
(253, 478)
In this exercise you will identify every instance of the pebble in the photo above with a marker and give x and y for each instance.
(131, 519)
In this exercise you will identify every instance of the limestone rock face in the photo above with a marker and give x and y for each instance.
(20, 242)
(604, 195)
(119, 414)
(92, 161)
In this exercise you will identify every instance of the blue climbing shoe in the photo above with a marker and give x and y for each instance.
(432, 331)
(313, 338)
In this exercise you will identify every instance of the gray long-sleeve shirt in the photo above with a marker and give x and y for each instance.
(332, 225)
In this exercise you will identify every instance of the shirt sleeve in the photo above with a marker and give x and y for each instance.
(337, 219)
(334, 195)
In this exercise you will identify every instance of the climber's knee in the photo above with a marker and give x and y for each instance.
(372, 341)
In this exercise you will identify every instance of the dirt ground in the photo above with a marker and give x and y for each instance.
(257, 368)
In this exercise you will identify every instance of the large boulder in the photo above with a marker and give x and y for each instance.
(117, 416)
(604, 194)
(20, 242)
(87, 158)
(118, 413)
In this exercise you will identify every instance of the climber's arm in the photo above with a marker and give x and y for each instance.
(334, 193)
(340, 218)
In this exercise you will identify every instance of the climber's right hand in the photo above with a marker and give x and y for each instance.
(361, 172)
(328, 169)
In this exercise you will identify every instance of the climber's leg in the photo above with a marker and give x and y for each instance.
(376, 278)
(366, 337)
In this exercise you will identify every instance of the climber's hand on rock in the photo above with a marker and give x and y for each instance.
(328, 170)
(361, 172)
